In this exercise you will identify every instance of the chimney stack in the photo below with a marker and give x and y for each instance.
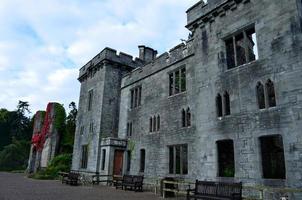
(146, 54)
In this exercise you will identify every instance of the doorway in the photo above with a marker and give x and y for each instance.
(118, 162)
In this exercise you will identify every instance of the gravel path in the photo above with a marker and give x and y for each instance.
(18, 187)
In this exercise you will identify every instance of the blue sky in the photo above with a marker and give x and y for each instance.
(44, 43)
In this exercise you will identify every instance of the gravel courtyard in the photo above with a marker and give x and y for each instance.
(18, 187)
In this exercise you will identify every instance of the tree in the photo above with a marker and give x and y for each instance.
(5, 127)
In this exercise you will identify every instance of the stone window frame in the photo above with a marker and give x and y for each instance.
(84, 156)
(231, 39)
(129, 130)
(154, 123)
(136, 97)
(91, 127)
(182, 78)
(90, 99)
(270, 100)
(186, 117)
(183, 160)
(223, 104)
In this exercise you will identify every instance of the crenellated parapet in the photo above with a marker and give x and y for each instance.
(109, 55)
(202, 13)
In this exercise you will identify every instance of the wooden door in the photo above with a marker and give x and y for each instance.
(118, 162)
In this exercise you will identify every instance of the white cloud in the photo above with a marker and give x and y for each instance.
(44, 43)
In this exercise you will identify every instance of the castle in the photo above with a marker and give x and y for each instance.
(226, 104)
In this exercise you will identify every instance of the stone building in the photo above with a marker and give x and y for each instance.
(45, 139)
(224, 105)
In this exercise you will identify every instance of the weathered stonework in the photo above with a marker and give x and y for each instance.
(278, 25)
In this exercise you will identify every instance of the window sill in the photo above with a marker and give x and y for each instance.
(224, 117)
(242, 66)
(268, 109)
(178, 94)
(136, 108)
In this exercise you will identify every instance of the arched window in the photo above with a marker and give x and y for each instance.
(158, 122)
(227, 103)
(150, 125)
(188, 117)
(183, 116)
(154, 123)
(270, 89)
(219, 105)
(260, 95)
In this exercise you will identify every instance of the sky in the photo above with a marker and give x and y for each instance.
(43, 43)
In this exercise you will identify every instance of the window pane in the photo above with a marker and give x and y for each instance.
(171, 84)
(219, 105)
(177, 151)
(135, 97)
(132, 98)
(171, 160)
(240, 49)
(260, 95)
(252, 44)
(183, 79)
(128, 160)
(177, 82)
(230, 54)
(139, 95)
(271, 93)
(103, 158)
(273, 164)
(90, 96)
(185, 159)
(150, 125)
(188, 118)
(226, 162)
(227, 103)
(142, 163)
(158, 122)
(154, 123)
(183, 115)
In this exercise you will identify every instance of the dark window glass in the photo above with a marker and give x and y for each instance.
(260, 95)
(139, 95)
(132, 98)
(84, 157)
(177, 82)
(271, 93)
(188, 117)
(226, 162)
(227, 103)
(90, 97)
(142, 161)
(183, 80)
(230, 53)
(154, 123)
(272, 151)
(219, 105)
(240, 49)
(184, 159)
(135, 97)
(158, 122)
(151, 124)
(128, 161)
(103, 158)
(177, 159)
(171, 160)
(183, 115)
(171, 84)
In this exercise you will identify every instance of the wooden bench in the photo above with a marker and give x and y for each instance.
(71, 178)
(215, 190)
(133, 182)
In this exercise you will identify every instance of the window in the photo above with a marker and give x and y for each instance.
(154, 123)
(129, 129)
(270, 93)
(178, 159)
(90, 97)
(142, 160)
(226, 162)
(260, 95)
(219, 105)
(272, 151)
(186, 117)
(103, 159)
(266, 98)
(177, 81)
(227, 103)
(223, 105)
(128, 161)
(82, 130)
(241, 48)
(136, 96)
(91, 127)
(84, 158)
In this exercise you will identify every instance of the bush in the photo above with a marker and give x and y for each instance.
(60, 163)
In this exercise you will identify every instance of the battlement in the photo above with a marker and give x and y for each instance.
(111, 55)
(208, 11)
